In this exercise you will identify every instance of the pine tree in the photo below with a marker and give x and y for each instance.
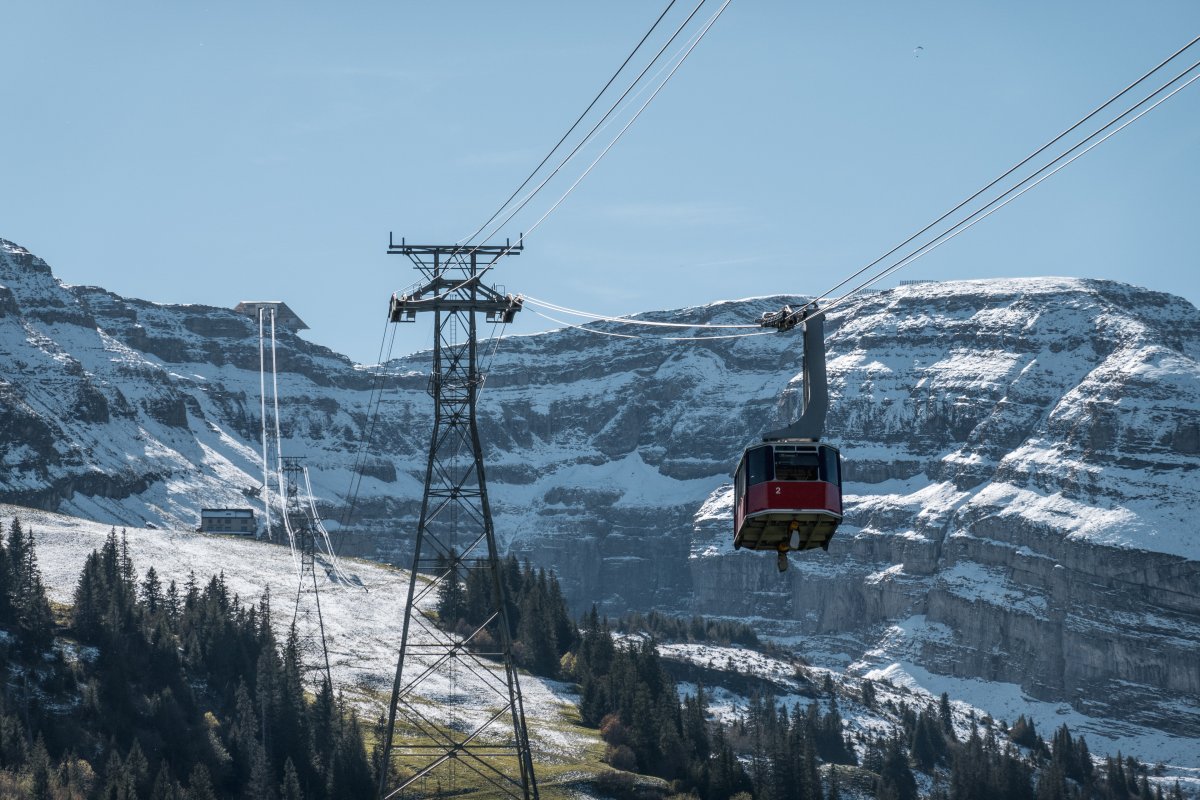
(352, 777)
(324, 726)
(261, 785)
(810, 776)
(565, 632)
(152, 595)
(117, 783)
(137, 768)
(945, 717)
(536, 633)
(925, 750)
(1052, 783)
(896, 781)
(165, 787)
(6, 583)
(290, 788)
(452, 601)
(40, 771)
(173, 605)
(35, 622)
(200, 785)
(16, 555)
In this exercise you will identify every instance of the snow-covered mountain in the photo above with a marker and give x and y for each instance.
(1021, 460)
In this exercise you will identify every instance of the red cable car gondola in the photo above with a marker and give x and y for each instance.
(788, 496)
(788, 490)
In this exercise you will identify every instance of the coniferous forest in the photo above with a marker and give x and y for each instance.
(773, 752)
(155, 692)
(146, 691)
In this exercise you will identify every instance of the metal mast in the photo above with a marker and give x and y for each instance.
(484, 743)
(306, 618)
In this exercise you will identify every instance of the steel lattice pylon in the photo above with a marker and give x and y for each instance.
(306, 618)
(484, 743)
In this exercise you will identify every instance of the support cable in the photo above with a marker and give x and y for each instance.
(1016, 166)
(574, 125)
(262, 394)
(287, 524)
(595, 128)
(661, 338)
(627, 320)
(356, 477)
(681, 59)
(1004, 200)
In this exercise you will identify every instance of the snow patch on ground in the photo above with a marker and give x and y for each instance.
(363, 615)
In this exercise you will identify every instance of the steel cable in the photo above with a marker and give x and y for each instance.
(625, 320)
(1015, 167)
(574, 125)
(1004, 199)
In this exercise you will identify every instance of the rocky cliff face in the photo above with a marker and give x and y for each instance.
(1021, 460)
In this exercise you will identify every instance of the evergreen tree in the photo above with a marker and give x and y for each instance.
(1023, 732)
(452, 602)
(536, 632)
(945, 717)
(1052, 784)
(351, 776)
(290, 788)
(565, 632)
(200, 785)
(137, 769)
(896, 781)
(261, 785)
(16, 555)
(40, 771)
(810, 776)
(165, 787)
(152, 594)
(30, 607)
(6, 583)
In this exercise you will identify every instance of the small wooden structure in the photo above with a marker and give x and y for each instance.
(238, 521)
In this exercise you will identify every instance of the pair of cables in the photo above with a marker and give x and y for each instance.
(515, 202)
(1089, 132)
(620, 108)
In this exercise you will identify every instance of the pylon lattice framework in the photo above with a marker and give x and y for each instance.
(306, 618)
(425, 753)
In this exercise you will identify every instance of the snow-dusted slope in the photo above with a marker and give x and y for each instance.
(1021, 460)
(362, 615)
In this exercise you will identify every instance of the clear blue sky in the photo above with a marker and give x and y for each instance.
(192, 153)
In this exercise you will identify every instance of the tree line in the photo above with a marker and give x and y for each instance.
(773, 751)
(160, 692)
(146, 690)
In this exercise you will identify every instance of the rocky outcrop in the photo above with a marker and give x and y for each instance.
(1021, 460)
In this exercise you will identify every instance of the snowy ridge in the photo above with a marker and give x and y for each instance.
(1026, 451)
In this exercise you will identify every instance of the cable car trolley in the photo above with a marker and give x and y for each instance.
(788, 489)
